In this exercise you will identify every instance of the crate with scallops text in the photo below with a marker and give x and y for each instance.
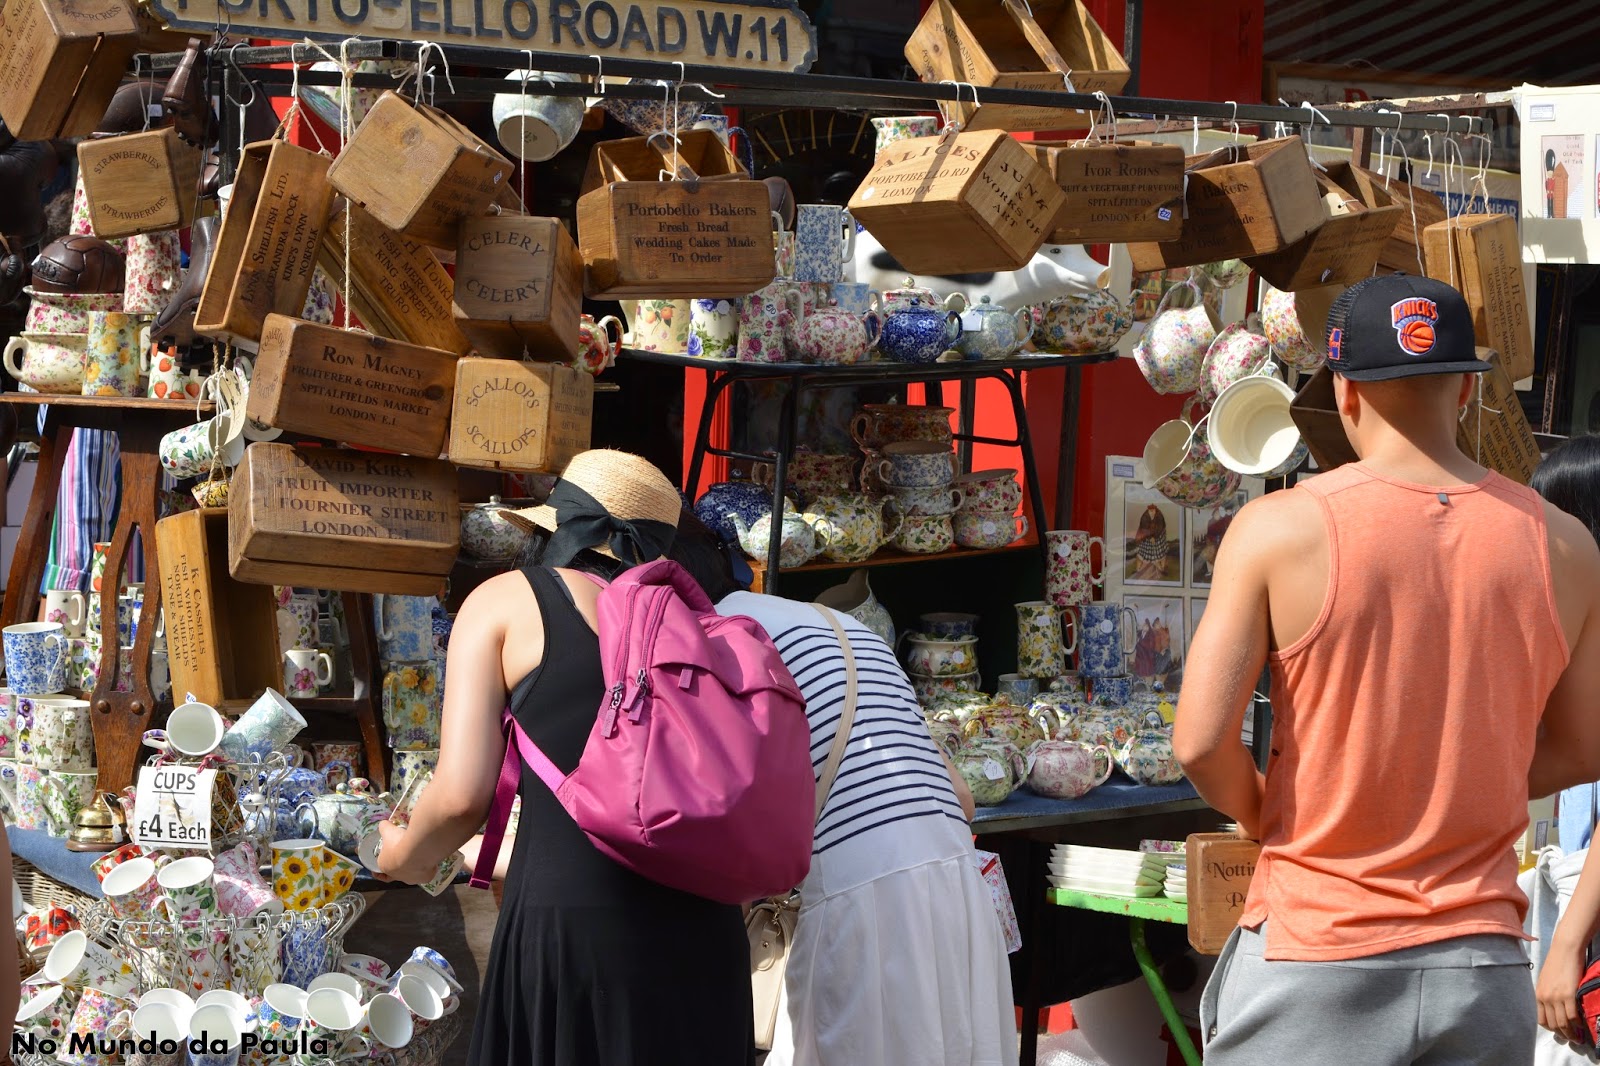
(64, 61)
(519, 287)
(222, 635)
(266, 250)
(397, 286)
(1115, 192)
(1487, 268)
(331, 518)
(1242, 200)
(353, 387)
(972, 202)
(418, 171)
(519, 416)
(1219, 869)
(139, 182)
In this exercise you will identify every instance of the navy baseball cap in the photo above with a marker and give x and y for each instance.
(1399, 326)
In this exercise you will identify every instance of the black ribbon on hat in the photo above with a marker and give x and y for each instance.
(582, 522)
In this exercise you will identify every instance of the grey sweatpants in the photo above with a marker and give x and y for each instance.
(1461, 1001)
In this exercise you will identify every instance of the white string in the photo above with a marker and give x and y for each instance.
(444, 60)
(1196, 145)
(1481, 179)
(522, 163)
(953, 126)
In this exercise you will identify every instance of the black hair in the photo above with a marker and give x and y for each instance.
(586, 561)
(703, 554)
(1569, 478)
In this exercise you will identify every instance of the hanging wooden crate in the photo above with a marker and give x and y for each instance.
(352, 387)
(1481, 256)
(266, 250)
(1494, 429)
(63, 62)
(1242, 200)
(524, 417)
(397, 286)
(1220, 867)
(222, 635)
(702, 152)
(418, 171)
(1016, 44)
(1115, 192)
(329, 518)
(944, 205)
(139, 182)
(1419, 209)
(519, 287)
(1345, 248)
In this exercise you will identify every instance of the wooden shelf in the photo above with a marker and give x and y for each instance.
(893, 557)
(110, 403)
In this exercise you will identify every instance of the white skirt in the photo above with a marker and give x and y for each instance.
(909, 968)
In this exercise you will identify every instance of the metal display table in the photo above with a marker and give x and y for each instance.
(795, 378)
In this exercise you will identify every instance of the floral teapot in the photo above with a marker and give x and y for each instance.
(992, 769)
(342, 817)
(989, 331)
(851, 528)
(1006, 722)
(917, 327)
(1147, 756)
(1066, 769)
(827, 334)
(797, 538)
(1082, 323)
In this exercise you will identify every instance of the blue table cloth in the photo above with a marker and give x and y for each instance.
(1118, 793)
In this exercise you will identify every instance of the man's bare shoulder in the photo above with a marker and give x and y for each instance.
(1279, 525)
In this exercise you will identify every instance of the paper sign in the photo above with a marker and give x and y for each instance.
(172, 807)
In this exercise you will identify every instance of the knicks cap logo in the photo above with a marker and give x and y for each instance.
(1335, 345)
(1415, 321)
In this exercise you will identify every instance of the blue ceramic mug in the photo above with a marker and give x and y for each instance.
(405, 627)
(856, 297)
(824, 240)
(36, 658)
(1104, 642)
(1116, 691)
(307, 951)
(949, 625)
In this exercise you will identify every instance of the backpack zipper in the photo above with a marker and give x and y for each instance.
(641, 681)
(608, 728)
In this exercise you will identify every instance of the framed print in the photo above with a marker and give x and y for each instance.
(1159, 639)
(1151, 538)
(1207, 525)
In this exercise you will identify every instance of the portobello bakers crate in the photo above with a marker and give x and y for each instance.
(1242, 200)
(519, 416)
(418, 171)
(1115, 192)
(63, 62)
(267, 248)
(335, 519)
(947, 205)
(519, 287)
(699, 235)
(139, 182)
(349, 386)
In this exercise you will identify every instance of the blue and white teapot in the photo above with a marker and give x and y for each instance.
(917, 327)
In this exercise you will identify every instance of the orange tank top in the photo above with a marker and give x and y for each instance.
(1404, 721)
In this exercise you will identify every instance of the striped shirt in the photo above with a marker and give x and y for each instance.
(892, 773)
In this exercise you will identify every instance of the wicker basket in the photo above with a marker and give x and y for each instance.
(40, 892)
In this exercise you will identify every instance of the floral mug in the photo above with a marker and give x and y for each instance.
(1172, 350)
(1236, 353)
(660, 326)
(599, 343)
(713, 328)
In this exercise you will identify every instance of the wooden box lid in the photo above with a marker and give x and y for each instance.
(644, 159)
(1345, 248)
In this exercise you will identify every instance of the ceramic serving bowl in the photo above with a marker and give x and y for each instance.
(933, 657)
(930, 689)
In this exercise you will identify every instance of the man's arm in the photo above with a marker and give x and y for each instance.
(1568, 749)
(1224, 663)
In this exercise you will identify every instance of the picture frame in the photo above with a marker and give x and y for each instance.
(1160, 640)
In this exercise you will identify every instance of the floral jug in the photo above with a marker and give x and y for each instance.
(760, 332)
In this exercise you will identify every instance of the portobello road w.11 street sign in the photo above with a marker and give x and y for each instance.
(749, 34)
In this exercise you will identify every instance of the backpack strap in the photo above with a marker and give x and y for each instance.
(847, 717)
(519, 749)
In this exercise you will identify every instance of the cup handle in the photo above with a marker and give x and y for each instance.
(14, 345)
(958, 498)
(858, 427)
(1069, 625)
(1131, 634)
(1022, 525)
(77, 599)
(847, 223)
(1098, 579)
(384, 632)
(324, 673)
(1103, 754)
(885, 470)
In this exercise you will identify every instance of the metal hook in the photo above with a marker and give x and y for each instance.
(599, 75)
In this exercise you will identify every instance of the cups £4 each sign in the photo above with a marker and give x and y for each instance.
(172, 807)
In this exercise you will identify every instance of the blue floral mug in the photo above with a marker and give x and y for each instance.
(1104, 642)
(36, 658)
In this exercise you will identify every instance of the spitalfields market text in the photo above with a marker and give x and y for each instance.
(90, 1044)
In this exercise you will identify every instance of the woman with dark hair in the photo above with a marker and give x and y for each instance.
(592, 964)
(898, 958)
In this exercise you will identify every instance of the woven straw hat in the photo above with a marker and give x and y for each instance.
(624, 484)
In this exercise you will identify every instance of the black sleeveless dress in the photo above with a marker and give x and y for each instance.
(593, 965)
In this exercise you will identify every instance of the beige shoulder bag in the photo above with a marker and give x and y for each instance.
(770, 924)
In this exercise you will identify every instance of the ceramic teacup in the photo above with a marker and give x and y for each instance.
(532, 126)
(45, 927)
(131, 890)
(925, 534)
(386, 1021)
(1251, 430)
(269, 725)
(658, 325)
(161, 1023)
(48, 362)
(919, 464)
(988, 529)
(1235, 353)
(334, 1015)
(46, 1014)
(297, 877)
(218, 1027)
(879, 424)
(1172, 350)
(92, 1019)
(305, 672)
(1296, 324)
(194, 730)
(36, 658)
(280, 1010)
(66, 794)
(411, 765)
(79, 962)
(60, 734)
(191, 896)
(1017, 688)
(940, 499)
(1178, 463)
(67, 607)
(192, 450)
(902, 127)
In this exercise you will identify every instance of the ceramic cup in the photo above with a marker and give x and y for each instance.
(880, 424)
(1178, 463)
(409, 765)
(269, 725)
(241, 890)
(97, 1009)
(36, 658)
(918, 464)
(1104, 642)
(411, 705)
(1070, 577)
(336, 979)
(372, 973)
(68, 608)
(305, 672)
(405, 627)
(1017, 688)
(421, 999)
(9, 725)
(131, 890)
(334, 1015)
(297, 877)
(534, 127)
(988, 529)
(78, 962)
(1296, 324)
(989, 490)
(856, 297)
(902, 127)
(1171, 353)
(29, 807)
(305, 953)
(825, 239)
(45, 927)
(280, 1010)
(925, 501)
(160, 1023)
(60, 734)
(194, 730)
(103, 866)
(218, 1027)
(191, 898)
(659, 325)
(338, 875)
(713, 328)
(1235, 353)
(386, 1021)
(111, 359)
(925, 534)
(66, 794)
(47, 1013)
(1252, 431)
(48, 362)
(948, 625)
(1041, 650)
(191, 451)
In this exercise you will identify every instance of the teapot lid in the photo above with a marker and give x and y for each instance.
(493, 504)
(911, 290)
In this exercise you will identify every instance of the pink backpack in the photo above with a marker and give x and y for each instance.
(697, 774)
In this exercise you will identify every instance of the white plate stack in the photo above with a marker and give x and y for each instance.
(1108, 871)
(1176, 886)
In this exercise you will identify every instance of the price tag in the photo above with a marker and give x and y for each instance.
(172, 807)
(993, 770)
